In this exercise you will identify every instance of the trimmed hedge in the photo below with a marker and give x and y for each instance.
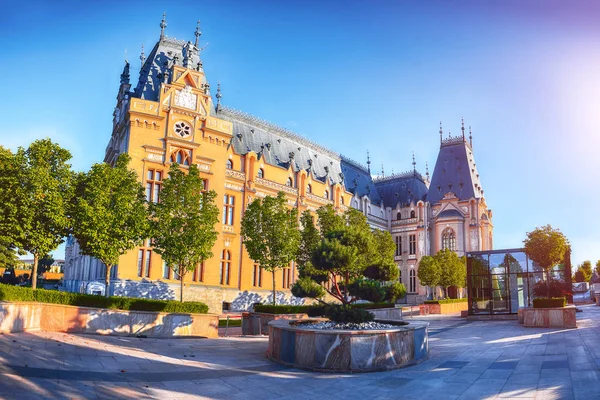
(315, 310)
(233, 323)
(17, 293)
(446, 301)
(549, 303)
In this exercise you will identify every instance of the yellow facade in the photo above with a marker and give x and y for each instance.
(154, 144)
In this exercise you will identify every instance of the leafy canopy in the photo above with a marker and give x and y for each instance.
(429, 271)
(546, 246)
(109, 212)
(183, 222)
(270, 233)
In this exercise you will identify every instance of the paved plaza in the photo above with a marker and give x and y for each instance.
(468, 360)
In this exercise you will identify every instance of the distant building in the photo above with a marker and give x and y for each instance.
(170, 117)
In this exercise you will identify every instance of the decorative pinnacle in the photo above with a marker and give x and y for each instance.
(198, 33)
(163, 25)
(470, 137)
(143, 56)
(441, 132)
(368, 162)
(382, 172)
(462, 128)
(125, 74)
(414, 163)
(218, 96)
(427, 170)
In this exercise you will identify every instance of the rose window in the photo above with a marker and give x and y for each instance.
(182, 129)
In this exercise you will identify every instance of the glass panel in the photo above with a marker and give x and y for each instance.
(140, 261)
(497, 264)
(533, 267)
(479, 294)
(150, 174)
(518, 292)
(516, 261)
(165, 271)
(500, 295)
(158, 176)
(156, 191)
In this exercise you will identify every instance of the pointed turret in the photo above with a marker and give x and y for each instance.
(163, 25)
(455, 171)
(125, 74)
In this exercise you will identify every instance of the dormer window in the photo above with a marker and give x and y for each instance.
(181, 157)
(289, 182)
(261, 173)
(412, 214)
(229, 164)
(326, 194)
(399, 216)
(309, 188)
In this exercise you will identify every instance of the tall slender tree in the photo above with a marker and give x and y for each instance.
(429, 272)
(546, 246)
(12, 177)
(183, 222)
(109, 214)
(270, 233)
(46, 192)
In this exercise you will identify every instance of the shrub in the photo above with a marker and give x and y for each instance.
(367, 289)
(315, 310)
(549, 303)
(15, 293)
(395, 291)
(306, 287)
(347, 313)
(281, 309)
(446, 301)
(557, 289)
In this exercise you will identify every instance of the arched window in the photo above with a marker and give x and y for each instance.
(261, 173)
(412, 281)
(341, 200)
(225, 267)
(412, 214)
(309, 188)
(289, 182)
(399, 216)
(326, 194)
(181, 157)
(229, 164)
(448, 239)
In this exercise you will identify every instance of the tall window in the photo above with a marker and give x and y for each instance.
(309, 188)
(228, 206)
(205, 184)
(198, 275)
(399, 275)
(181, 157)
(412, 244)
(412, 281)
(398, 246)
(257, 276)
(153, 185)
(341, 200)
(140, 261)
(143, 262)
(412, 214)
(399, 215)
(229, 164)
(287, 277)
(147, 264)
(261, 173)
(326, 194)
(166, 271)
(448, 239)
(225, 267)
(289, 182)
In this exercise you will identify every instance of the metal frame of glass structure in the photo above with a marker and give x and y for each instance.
(502, 281)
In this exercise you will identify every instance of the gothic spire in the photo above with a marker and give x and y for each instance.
(382, 172)
(414, 163)
(163, 25)
(218, 96)
(368, 162)
(427, 170)
(441, 132)
(462, 128)
(142, 56)
(470, 137)
(197, 33)
(125, 74)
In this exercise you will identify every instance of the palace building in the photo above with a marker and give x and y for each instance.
(170, 116)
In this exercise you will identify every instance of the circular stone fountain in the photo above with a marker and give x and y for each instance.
(336, 350)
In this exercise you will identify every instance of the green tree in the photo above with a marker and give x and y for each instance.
(453, 270)
(380, 264)
(12, 175)
(579, 276)
(45, 194)
(546, 246)
(586, 270)
(598, 267)
(429, 272)
(309, 240)
(109, 214)
(183, 222)
(45, 263)
(270, 233)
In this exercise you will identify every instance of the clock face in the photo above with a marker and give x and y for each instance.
(182, 129)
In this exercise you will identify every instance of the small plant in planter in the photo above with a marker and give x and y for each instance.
(348, 260)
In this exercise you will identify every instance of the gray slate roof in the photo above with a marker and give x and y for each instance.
(455, 171)
(402, 188)
(159, 60)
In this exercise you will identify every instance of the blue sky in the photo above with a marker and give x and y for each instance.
(375, 75)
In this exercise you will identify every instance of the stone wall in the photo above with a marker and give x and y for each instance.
(213, 296)
(30, 316)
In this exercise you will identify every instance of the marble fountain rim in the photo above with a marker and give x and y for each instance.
(285, 325)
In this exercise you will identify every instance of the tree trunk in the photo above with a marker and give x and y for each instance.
(107, 280)
(548, 282)
(274, 291)
(181, 276)
(36, 258)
